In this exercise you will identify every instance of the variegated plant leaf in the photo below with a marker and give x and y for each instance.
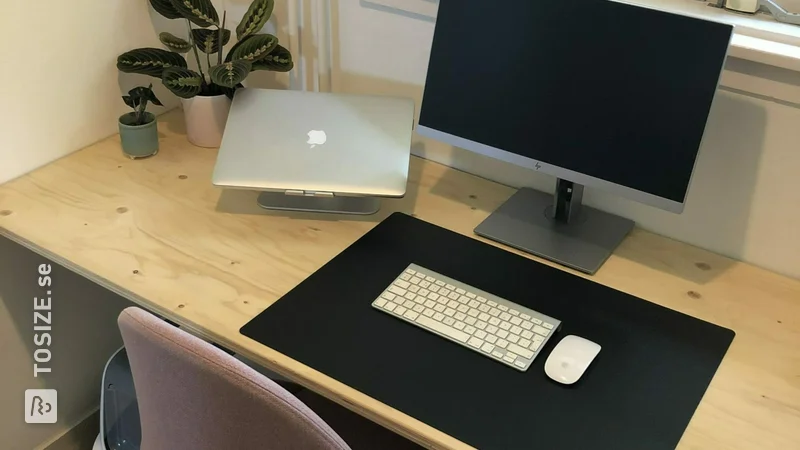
(208, 40)
(174, 43)
(253, 48)
(200, 12)
(165, 8)
(231, 73)
(278, 60)
(182, 82)
(149, 61)
(254, 19)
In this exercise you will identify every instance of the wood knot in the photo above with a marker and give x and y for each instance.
(246, 302)
(119, 167)
(473, 208)
(473, 196)
(122, 210)
(183, 177)
(181, 306)
(135, 272)
(694, 294)
(703, 266)
(5, 212)
(314, 229)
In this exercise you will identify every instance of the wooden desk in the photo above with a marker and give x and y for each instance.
(157, 232)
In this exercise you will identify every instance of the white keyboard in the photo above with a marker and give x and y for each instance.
(492, 326)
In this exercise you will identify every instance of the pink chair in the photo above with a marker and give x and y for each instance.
(194, 396)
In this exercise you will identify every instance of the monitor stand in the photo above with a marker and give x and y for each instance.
(557, 227)
(307, 203)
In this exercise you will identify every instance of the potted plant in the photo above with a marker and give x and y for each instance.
(206, 95)
(138, 130)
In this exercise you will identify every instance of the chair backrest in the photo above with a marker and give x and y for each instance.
(194, 396)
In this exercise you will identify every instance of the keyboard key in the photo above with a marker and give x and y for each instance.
(473, 313)
(380, 302)
(449, 321)
(536, 321)
(463, 308)
(502, 333)
(389, 306)
(433, 296)
(410, 295)
(420, 299)
(442, 299)
(497, 354)
(433, 288)
(404, 277)
(402, 284)
(469, 329)
(430, 279)
(481, 299)
(423, 292)
(480, 325)
(491, 303)
(505, 316)
(487, 348)
(513, 312)
(470, 295)
(460, 316)
(430, 303)
(483, 316)
(491, 329)
(535, 345)
(516, 330)
(411, 271)
(388, 296)
(400, 310)
(513, 338)
(397, 290)
(449, 312)
(453, 296)
(505, 325)
(428, 313)
(502, 343)
(549, 326)
(453, 304)
(520, 364)
(509, 359)
(414, 280)
(475, 342)
(461, 291)
(442, 328)
(470, 320)
(484, 308)
(443, 291)
(494, 321)
(460, 325)
(524, 343)
(450, 286)
(525, 316)
(474, 304)
(409, 304)
(463, 299)
(537, 338)
(527, 334)
(527, 325)
(502, 307)
(438, 316)
(541, 330)
(424, 284)
(413, 288)
(411, 315)
(439, 282)
(418, 308)
(439, 307)
(491, 339)
(494, 312)
(480, 334)
(515, 320)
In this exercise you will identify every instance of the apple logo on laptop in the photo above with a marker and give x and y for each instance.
(316, 137)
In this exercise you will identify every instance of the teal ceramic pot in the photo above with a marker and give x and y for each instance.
(138, 141)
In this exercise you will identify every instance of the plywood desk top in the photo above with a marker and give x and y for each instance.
(157, 232)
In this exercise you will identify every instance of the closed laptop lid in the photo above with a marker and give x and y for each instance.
(278, 140)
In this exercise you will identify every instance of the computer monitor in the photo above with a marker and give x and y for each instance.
(595, 92)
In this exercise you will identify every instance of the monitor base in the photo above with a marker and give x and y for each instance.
(525, 222)
(334, 205)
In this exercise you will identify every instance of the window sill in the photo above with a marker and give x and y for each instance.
(758, 37)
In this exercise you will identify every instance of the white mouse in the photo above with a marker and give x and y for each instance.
(570, 359)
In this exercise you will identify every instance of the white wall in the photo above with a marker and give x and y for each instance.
(745, 195)
(59, 87)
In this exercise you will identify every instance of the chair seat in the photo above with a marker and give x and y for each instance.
(359, 432)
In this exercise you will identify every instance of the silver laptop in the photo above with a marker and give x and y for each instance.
(311, 144)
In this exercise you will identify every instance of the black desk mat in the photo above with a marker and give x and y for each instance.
(640, 392)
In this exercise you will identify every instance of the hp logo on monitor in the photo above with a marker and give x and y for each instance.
(537, 166)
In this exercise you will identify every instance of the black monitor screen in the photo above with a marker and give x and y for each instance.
(617, 92)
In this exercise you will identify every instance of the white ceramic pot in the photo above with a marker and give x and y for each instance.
(205, 119)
